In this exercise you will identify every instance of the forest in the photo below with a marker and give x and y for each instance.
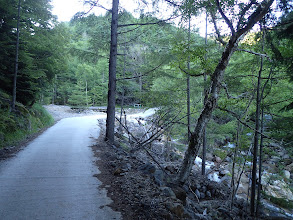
(233, 85)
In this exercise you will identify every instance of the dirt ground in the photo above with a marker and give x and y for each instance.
(137, 192)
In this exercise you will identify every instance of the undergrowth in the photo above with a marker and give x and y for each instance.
(18, 125)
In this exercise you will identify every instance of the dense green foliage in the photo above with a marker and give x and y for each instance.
(67, 64)
(41, 47)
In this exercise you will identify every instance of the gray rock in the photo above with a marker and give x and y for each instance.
(226, 180)
(197, 193)
(286, 174)
(275, 159)
(202, 195)
(208, 194)
(218, 159)
(167, 191)
(198, 208)
(175, 208)
(225, 212)
(180, 193)
(228, 159)
(198, 216)
(197, 186)
(289, 167)
(147, 168)
(209, 156)
(203, 189)
(223, 172)
(171, 169)
(159, 177)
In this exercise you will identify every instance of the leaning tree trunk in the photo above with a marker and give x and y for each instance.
(210, 105)
(214, 90)
(216, 78)
(110, 123)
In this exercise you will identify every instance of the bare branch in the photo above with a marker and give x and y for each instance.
(124, 32)
(256, 16)
(249, 75)
(219, 37)
(244, 10)
(172, 3)
(244, 123)
(134, 77)
(228, 22)
(188, 73)
(255, 53)
(148, 23)
(233, 97)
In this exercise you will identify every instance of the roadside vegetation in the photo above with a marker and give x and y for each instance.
(17, 126)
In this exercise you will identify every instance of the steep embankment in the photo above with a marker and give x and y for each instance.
(21, 124)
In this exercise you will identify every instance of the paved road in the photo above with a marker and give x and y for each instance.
(52, 178)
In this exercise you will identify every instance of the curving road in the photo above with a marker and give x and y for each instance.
(52, 178)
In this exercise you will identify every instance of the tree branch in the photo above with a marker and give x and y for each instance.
(230, 96)
(134, 77)
(228, 22)
(172, 3)
(242, 13)
(148, 23)
(256, 16)
(124, 32)
(188, 73)
(255, 53)
(219, 38)
(244, 123)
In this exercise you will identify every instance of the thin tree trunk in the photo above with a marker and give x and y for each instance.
(16, 58)
(110, 123)
(260, 164)
(53, 96)
(205, 93)
(188, 84)
(87, 102)
(256, 138)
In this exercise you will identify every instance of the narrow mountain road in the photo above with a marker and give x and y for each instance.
(52, 178)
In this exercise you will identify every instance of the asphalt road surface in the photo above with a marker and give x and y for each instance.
(52, 178)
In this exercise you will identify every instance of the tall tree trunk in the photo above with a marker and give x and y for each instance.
(188, 85)
(16, 58)
(110, 123)
(205, 93)
(260, 164)
(256, 137)
(214, 90)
